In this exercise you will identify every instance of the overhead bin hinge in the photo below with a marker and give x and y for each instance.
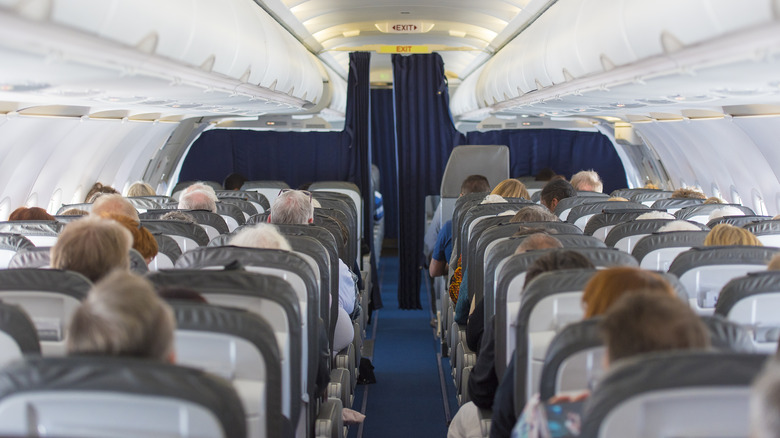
(607, 63)
(568, 76)
(245, 77)
(149, 43)
(208, 64)
(670, 43)
(40, 10)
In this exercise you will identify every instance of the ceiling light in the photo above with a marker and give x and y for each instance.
(351, 33)
(457, 33)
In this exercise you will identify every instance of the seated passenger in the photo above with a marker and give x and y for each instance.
(545, 174)
(654, 215)
(727, 210)
(774, 263)
(511, 188)
(260, 236)
(714, 200)
(98, 190)
(587, 181)
(727, 234)
(30, 214)
(122, 316)
(687, 193)
(179, 216)
(114, 204)
(140, 188)
(765, 402)
(678, 225)
(74, 212)
(534, 213)
(143, 241)
(92, 247)
(198, 200)
(555, 191)
(638, 323)
(234, 181)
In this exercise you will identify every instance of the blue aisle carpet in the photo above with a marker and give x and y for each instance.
(407, 399)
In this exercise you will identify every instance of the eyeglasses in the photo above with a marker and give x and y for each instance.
(305, 192)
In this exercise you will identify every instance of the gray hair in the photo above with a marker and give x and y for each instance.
(538, 241)
(177, 215)
(654, 215)
(534, 213)
(678, 226)
(587, 180)
(493, 199)
(200, 187)
(198, 200)
(292, 207)
(728, 210)
(261, 236)
(765, 403)
(113, 204)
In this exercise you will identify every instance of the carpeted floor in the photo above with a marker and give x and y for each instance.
(407, 399)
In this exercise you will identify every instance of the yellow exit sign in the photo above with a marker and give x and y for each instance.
(404, 49)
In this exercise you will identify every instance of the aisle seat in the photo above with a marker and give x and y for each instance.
(657, 251)
(188, 236)
(270, 189)
(258, 200)
(40, 233)
(581, 214)
(10, 244)
(753, 300)
(768, 232)
(600, 224)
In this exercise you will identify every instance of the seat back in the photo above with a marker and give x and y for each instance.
(18, 336)
(212, 223)
(648, 196)
(753, 300)
(258, 200)
(347, 188)
(657, 251)
(269, 189)
(580, 215)
(186, 235)
(10, 244)
(678, 394)
(565, 205)
(232, 214)
(35, 257)
(704, 271)
(40, 233)
(247, 208)
(143, 203)
(701, 213)
(86, 206)
(99, 397)
(738, 221)
(768, 232)
(600, 224)
(238, 346)
(49, 297)
(478, 213)
(461, 207)
(167, 252)
(624, 236)
(340, 207)
(672, 205)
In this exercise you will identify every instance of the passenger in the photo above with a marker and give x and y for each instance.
(511, 188)
(727, 210)
(483, 380)
(555, 191)
(234, 181)
(74, 212)
(774, 264)
(714, 200)
(727, 234)
(587, 181)
(114, 204)
(765, 403)
(93, 247)
(140, 188)
(30, 214)
(687, 193)
(654, 215)
(534, 213)
(198, 200)
(122, 316)
(638, 323)
(261, 236)
(179, 216)
(600, 293)
(545, 174)
(493, 199)
(200, 186)
(678, 225)
(651, 185)
(143, 241)
(617, 198)
(98, 190)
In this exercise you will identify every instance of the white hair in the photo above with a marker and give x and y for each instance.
(261, 236)
(198, 200)
(292, 207)
(493, 199)
(678, 226)
(728, 210)
(202, 187)
(587, 180)
(654, 215)
(507, 213)
(765, 403)
(315, 203)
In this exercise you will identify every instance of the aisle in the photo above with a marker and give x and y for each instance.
(407, 399)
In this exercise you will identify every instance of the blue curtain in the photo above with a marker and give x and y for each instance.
(383, 154)
(425, 136)
(566, 152)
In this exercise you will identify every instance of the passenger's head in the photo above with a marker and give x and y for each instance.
(555, 191)
(537, 241)
(493, 199)
(511, 188)
(114, 204)
(260, 236)
(143, 241)
(30, 214)
(98, 190)
(234, 181)
(74, 212)
(545, 174)
(726, 210)
(765, 402)
(179, 216)
(687, 193)
(140, 188)
(645, 322)
(605, 287)
(292, 207)
(198, 200)
(202, 187)
(727, 234)
(93, 247)
(714, 200)
(678, 225)
(617, 199)
(474, 184)
(774, 264)
(123, 316)
(555, 261)
(654, 215)
(534, 213)
(587, 180)
(651, 185)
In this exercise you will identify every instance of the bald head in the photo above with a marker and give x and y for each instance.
(114, 204)
(538, 241)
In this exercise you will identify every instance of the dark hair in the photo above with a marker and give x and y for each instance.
(99, 188)
(545, 174)
(30, 214)
(474, 184)
(645, 322)
(557, 189)
(556, 260)
(234, 181)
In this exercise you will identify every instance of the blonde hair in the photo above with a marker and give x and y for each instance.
(687, 193)
(116, 204)
(123, 316)
(727, 234)
(511, 188)
(93, 247)
(605, 287)
(774, 264)
(261, 236)
(140, 188)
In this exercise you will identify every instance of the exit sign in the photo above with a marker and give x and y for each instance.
(404, 26)
(404, 49)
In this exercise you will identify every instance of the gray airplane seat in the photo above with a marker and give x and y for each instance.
(657, 251)
(40, 233)
(240, 347)
(753, 301)
(35, 257)
(91, 396)
(159, 199)
(648, 197)
(600, 224)
(462, 205)
(167, 252)
(728, 335)
(624, 236)
(49, 296)
(336, 228)
(246, 207)
(212, 223)
(18, 336)
(232, 214)
(343, 211)
(10, 244)
(138, 263)
(738, 221)
(269, 189)
(550, 302)
(186, 235)
(674, 394)
(592, 194)
(143, 203)
(258, 200)
(490, 161)
(704, 271)
(268, 296)
(344, 188)
(701, 213)
(477, 214)
(86, 206)
(565, 205)
(672, 205)
(259, 218)
(181, 185)
(581, 214)
(768, 232)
